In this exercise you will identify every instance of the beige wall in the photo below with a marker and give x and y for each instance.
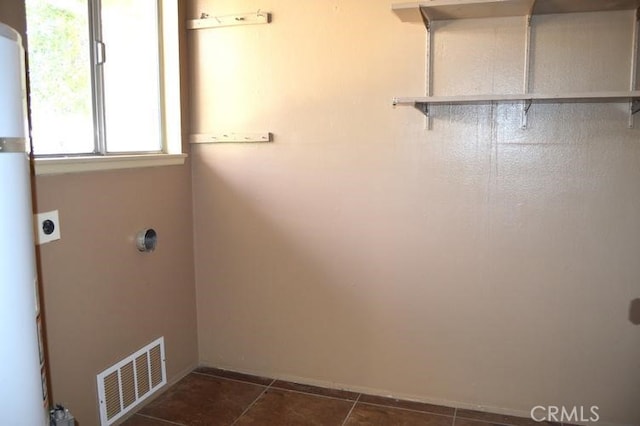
(102, 299)
(475, 264)
(12, 13)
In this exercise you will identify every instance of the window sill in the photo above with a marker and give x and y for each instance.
(61, 165)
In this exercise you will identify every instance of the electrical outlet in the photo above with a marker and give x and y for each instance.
(47, 227)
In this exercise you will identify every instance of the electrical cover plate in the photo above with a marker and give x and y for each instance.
(47, 227)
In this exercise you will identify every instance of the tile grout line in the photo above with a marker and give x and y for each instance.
(270, 386)
(315, 394)
(158, 418)
(233, 380)
(277, 387)
(454, 416)
(411, 409)
(351, 410)
(489, 422)
(254, 402)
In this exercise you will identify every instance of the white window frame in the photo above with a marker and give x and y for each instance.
(171, 114)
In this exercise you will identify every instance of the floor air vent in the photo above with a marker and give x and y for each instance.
(129, 382)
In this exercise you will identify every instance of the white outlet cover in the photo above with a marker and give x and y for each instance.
(39, 220)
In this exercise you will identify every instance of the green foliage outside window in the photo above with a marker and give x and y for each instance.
(58, 55)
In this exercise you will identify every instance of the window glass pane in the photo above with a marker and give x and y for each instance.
(131, 80)
(60, 76)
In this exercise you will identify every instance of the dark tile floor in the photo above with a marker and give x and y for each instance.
(210, 396)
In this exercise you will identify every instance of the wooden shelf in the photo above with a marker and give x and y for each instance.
(439, 10)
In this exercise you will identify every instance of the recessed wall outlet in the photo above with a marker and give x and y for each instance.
(47, 227)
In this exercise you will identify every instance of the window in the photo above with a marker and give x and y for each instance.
(104, 78)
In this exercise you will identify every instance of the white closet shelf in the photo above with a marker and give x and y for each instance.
(624, 96)
(427, 11)
(439, 10)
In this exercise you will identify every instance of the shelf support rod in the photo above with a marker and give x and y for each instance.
(428, 71)
(633, 105)
(525, 78)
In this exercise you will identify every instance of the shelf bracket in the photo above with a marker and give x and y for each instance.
(425, 18)
(423, 107)
(525, 77)
(526, 104)
(428, 68)
(633, 105)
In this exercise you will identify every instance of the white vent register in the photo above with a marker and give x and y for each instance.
(126, 384)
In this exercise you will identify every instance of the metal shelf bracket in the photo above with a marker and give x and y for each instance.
(634, 105)
(525, 77)
(526, 105)
(423, 107)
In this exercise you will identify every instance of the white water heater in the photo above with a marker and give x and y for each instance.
(22, 374)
